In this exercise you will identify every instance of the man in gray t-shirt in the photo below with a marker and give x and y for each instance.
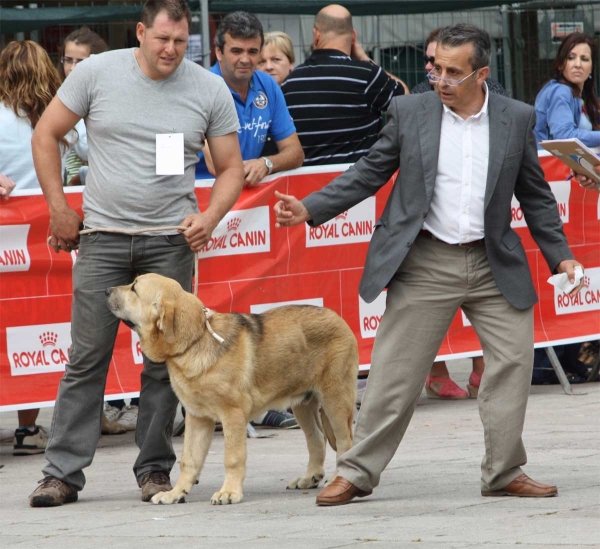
(148, 112)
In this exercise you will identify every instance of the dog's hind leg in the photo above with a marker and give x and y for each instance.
(307, 416)
(196, 442)
(234, 433)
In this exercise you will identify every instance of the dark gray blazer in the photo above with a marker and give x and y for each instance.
(410, 141)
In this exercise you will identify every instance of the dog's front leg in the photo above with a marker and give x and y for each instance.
(234, 432)
(198, 436)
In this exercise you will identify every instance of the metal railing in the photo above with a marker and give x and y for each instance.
(525, 40)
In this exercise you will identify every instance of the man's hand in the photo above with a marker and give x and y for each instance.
(289, 211)
(587, 182)
(6, 186)
(199, 229)
(357, 51)
(64, 229)
(568, 266)
(255, 171)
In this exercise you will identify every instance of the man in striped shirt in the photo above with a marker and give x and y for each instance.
(337, 96)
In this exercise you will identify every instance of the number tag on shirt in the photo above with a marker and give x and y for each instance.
(169, 154)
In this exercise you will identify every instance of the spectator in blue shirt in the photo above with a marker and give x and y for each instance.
(568, 106)
(258, 100)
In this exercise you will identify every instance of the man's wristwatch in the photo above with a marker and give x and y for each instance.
(268, 163)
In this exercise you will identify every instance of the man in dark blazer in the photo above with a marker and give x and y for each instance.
(444, 241)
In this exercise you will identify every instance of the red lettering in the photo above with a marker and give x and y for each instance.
(371, 322)
(517, 214)
(13, 257)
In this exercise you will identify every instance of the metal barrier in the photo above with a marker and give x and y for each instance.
(525, 39)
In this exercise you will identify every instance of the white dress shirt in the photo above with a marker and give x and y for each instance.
(456, 211)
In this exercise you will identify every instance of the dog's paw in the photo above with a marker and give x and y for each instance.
(304, 483)
(167, 498)
(225, 498)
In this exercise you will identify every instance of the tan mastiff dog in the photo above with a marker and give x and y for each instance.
(298, 355)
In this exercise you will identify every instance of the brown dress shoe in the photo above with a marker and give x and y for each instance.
(52, 492)
(153, 483)
(339, 492)
(524, 487)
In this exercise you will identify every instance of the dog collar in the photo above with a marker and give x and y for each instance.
(209, 313)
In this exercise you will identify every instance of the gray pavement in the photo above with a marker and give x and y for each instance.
(428, 498)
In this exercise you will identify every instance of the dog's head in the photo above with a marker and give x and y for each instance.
(165, 317)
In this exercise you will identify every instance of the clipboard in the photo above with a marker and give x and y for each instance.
(575, 154)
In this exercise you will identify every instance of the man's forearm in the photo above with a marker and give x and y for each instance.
(287, 159)
(225, 192)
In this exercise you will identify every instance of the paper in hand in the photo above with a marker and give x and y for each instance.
(561, 281)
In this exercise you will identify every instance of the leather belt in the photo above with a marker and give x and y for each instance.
(472, 244)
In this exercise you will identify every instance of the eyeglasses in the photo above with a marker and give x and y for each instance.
(448, 81)
(70, 60)
(429, 59)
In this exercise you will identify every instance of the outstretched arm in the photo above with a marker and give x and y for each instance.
(289, 211)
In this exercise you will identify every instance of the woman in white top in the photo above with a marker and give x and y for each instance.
(28, 82)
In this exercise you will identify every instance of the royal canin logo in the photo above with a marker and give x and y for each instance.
(38, 349)
(240, 232)
(352, 226)
(233, 224)
(49, 339)
(586, 281)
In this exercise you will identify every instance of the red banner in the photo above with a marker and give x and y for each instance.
(248, 267)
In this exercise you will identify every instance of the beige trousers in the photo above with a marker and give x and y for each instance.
(432, 283)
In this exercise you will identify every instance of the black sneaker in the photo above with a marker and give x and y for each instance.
(52, 492)
(276, 419)
(30, 441)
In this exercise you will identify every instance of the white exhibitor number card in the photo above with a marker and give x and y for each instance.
(169, 154)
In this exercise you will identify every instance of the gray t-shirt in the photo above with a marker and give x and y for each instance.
(124, 110)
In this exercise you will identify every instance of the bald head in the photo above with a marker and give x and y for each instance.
(334, 19)
(333, 28)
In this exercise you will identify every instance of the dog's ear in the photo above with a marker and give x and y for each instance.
(166, 322)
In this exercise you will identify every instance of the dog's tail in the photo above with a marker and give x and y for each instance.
(328, 429)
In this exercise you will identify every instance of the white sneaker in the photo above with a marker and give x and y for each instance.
(128, 417)
(111, 412)
(30, 441)
(6, 435)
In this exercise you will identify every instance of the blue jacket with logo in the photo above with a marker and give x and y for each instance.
(558, 114)
(264, 112)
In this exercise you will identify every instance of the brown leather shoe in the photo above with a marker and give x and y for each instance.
(52, 492)
(339, 492)
(153, 483)
(524, 487)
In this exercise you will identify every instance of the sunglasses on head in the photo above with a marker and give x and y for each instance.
(429, 59)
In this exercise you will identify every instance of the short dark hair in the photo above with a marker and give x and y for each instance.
(239, 24)
(176, 10)
(433, 36)
(463, 33)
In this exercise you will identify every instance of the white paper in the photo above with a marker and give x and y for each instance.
(169, 154)
(561, 281)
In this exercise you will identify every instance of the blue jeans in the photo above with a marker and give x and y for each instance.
(107, 260)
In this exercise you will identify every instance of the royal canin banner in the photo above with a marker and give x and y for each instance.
(249, 266)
